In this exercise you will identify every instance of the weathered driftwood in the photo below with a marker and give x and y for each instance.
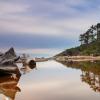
(28, 66)
(32, 64)
(8, 57)
(7, 63)
(9, 70)
(41, 59)
(8, 60)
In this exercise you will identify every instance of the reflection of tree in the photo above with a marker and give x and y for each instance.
(91, 79)
(90, 72)
(8, 83)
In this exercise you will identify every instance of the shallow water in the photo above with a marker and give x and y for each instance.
(54, 81)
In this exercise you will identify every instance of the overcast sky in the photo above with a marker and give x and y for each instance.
(45, 25)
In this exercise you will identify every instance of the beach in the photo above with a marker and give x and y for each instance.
(77, 58)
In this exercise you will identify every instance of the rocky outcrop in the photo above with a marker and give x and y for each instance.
(10, 53)
(8, 57)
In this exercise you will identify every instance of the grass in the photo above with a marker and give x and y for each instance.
(85, 50)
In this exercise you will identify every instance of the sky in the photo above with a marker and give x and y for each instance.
(45, 26)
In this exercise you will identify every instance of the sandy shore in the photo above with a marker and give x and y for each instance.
(77, 58)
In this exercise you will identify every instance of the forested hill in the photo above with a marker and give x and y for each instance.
(90, 43)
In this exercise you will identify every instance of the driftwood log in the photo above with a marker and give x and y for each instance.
(8, 62)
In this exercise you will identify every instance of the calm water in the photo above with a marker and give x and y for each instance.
(54, 81)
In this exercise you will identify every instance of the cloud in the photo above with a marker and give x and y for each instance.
(35, 41)
(40, 26)
(39, 51)
(48, 18)
(12, 8)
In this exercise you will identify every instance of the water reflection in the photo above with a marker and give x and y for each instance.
(90, 72)
(8, 86)
(9, 78)
(53, 82)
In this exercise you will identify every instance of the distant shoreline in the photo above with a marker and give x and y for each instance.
(77, 58)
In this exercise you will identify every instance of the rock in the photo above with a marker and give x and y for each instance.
(9, 54)
(8, 57)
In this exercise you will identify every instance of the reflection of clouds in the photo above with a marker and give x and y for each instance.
(59, 90)
(54, 83)
(49, 71)
(49, 65)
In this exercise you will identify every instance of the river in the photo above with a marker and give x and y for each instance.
(52, 80)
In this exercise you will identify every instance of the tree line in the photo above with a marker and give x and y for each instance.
(91, 35)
